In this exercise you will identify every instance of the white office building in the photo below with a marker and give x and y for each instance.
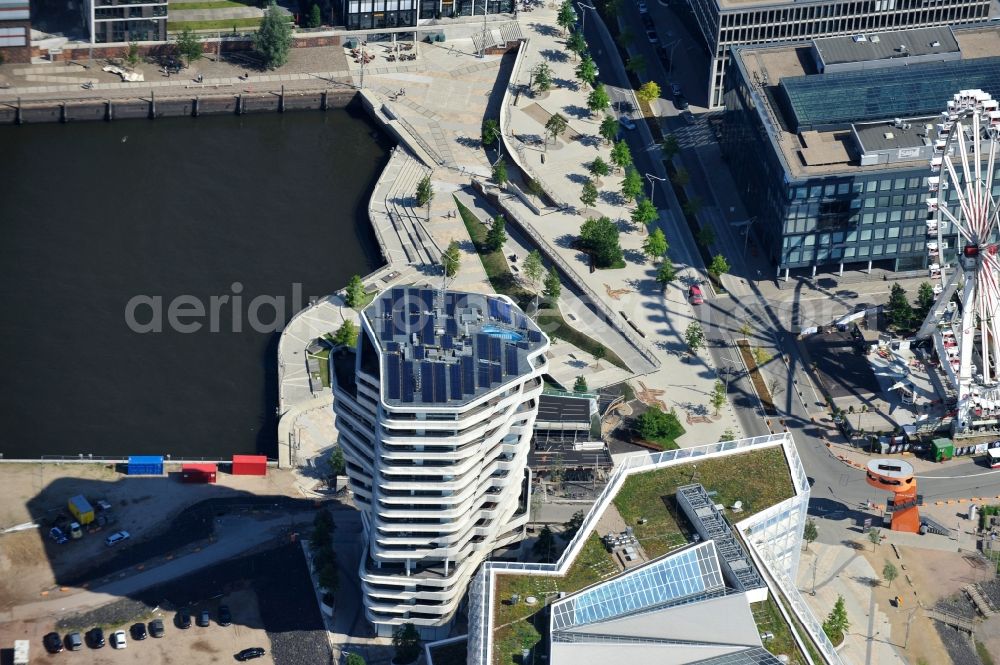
(435, 411)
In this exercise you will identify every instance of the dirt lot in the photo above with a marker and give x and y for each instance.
(178, 647)
(31, 564)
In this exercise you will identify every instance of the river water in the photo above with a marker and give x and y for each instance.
(108, 228)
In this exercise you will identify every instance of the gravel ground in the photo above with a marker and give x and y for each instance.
(991, 591)
(118, 613)
(958, 604)
(958, 644)
(193, 524)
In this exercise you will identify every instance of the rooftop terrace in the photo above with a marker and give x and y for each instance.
(446, 347)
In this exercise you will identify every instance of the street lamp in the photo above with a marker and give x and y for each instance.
(673, 45)
(496, 133)
(583, 14)
(652, 189)
(747, 223)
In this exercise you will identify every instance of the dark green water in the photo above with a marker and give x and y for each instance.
(97, 214)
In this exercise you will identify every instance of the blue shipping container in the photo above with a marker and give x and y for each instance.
(145, 465)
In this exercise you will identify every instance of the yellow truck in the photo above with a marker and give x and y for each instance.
(81, 509)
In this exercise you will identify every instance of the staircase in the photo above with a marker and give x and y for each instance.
(935, 527)
(417, 243)
(952, 620)
(977, 599)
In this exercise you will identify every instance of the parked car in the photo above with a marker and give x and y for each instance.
(695, 296)
(250, 654)
(118, 640)
(225, 617)
(74, 642)
(53, 642)
(643, 9)
(203, 618)
(688, 117)
(117, 537)
(626, 122)
(96, 638)
(681, 102)
(138, 631)
(56, 534)
(183, 618)
(663, 55)
(102, 505)
(156, 627)
(651, 36)
(675, 89)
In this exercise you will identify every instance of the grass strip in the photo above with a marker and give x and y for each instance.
(220, 24)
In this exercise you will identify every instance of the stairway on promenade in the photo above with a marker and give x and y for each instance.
(392, 209)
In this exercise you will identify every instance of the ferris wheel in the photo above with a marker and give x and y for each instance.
(963, 250)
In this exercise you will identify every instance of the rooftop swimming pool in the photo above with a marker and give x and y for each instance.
(503, 333)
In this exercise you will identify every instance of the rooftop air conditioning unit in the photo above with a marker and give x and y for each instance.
(935, 44)
(897, 122)
(875, 39)
(888, 136)
(906, 125)
(859, 38)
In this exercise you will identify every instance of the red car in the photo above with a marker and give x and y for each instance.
(694, 295)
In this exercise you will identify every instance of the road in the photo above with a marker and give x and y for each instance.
(836, 487)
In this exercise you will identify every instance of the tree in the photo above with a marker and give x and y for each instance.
(692, 206)
(625, 38)
(636, 65)
(621, 156)
(535, 188)
(573, 525)
(541, 76)
(810, 532)
(533, 268)
(889, 572)
(406, 642)
(648, 91)
(599, 168)
(600, 237)
(899, 309)
(761, 356)
(598, 99)
(589, 193)
(875, 536)
(553, 287)
(555, 126)
(694, 337)
(451, 259)
(315, 17)
(490, 131)
(655, 244)
(347, 334)
(706, 236)
(329, 577)
(728, 435)
(425, 191)
(681, 177)
(335, 463)
(580, 385)
(189, 46)
(609, 129)
(132, 54)
(925, 300)
(670, 147)
(497, 235)
(745, 329)
(273, 39)
(544, 545)
(666, 274)
(586, 71)
(645, 213)
(631, 185)
(576, 43)
(837, 624)
(356, 296)
(656, 424)
(354, 659)
(599, 354)
(718, 397)
(566, 18)
(500, 173)
(719, 266)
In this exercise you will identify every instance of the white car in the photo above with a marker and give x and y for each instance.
(118, 640)
(652, 37)
(117, 537)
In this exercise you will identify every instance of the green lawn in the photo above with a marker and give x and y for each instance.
(513, 629)
(759, 479)
(769, 620)
(219, 24)
(549, 320)
(221, 4)
(665, 443)
(324, 366)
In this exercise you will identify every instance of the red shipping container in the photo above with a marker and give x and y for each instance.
(198, 473)
(249, 465)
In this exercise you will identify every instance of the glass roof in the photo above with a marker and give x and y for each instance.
(840, 98)
(754, 656)
(692, 571)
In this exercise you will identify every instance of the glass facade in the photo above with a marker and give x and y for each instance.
(376, 14)
(688, 573)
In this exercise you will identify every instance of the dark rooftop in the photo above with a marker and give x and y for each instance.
(448, 347)
(887, 135)
(564, 409)
(886, 45)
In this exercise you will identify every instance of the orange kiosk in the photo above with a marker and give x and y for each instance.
(896, 476)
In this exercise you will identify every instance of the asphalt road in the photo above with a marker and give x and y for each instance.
(835, 487)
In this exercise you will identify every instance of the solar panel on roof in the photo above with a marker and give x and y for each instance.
(468, 376)
(534, 336)
(455, 379)
(522, 322)
(496, 375)
(388, 328)
(495, 349)
(426, 382)
(393, 383)
(397, 293)
(491, 308)
(427, 297)
(428, 331)
(408, 381)
(451, 326)
(484, 375)
(483, 346)
(511, 364)
(440, 386)
(418, 352)
(446, 342)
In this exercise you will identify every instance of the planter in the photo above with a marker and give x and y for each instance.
(755, 377)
